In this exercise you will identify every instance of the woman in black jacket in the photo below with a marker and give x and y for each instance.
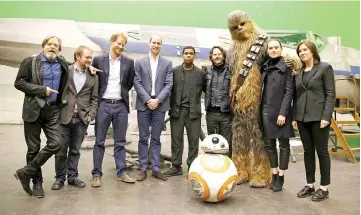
(313, 106)
(277, 93)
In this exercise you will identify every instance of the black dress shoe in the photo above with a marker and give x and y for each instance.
(38, 190)
(24, 180)
(57, 184)
(76, 183)
(306, 191)
(173, 171)
(320, 195)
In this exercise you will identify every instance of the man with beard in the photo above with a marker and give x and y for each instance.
(114, 86)
(43, 79)
(153, 83)
(185, 110)
(216, 102)
(75, 117)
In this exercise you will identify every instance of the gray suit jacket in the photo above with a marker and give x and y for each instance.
(86, 99)
(143, 83)
(315, 100)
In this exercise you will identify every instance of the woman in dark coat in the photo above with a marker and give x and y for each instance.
(276, 119)
(313, 107)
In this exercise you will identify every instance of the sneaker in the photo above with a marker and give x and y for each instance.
(95, 182)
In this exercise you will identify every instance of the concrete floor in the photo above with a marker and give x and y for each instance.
(171, 197)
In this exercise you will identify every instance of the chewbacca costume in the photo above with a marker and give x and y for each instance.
(246, 56)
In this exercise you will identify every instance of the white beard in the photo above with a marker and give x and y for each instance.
(50, 56)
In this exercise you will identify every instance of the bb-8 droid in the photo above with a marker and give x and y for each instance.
(212, 174)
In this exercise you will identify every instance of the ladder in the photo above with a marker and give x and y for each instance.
(337, 124)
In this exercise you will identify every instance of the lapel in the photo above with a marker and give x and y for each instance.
(122, 68)
(160, 63)
(147, 65)
(106, 66)
(39, 72)
(310, 75)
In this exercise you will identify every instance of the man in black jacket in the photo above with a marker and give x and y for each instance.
(216, 102)
(43, 79)
(188, 84)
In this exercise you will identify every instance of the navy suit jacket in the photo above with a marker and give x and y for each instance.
(126, 75)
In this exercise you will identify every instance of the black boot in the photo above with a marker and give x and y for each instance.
(274, 178)
(279, 184)
(24, 180)
(38, 189)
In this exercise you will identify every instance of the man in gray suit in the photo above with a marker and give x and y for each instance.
(153, 83)
(75, 117)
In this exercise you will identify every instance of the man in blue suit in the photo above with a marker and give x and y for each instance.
(153, 83)
(115, 82)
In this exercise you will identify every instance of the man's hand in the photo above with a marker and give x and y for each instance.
(49, 91)
(294, 125)
(281, 120)
(153, 104)
(89, 118)
(324, 123)
(94, 70)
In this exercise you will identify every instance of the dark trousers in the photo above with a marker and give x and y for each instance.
(270, 143)
(48, 120)
(66, 163)
(153, 119)
(313, 137)
(193, 128)
(116, 114)
(220, 123)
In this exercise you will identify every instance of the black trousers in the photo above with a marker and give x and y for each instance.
(193, 128)
(222, 124)
(48, 120)
(270, 143)
(313, 137)
(66, 163)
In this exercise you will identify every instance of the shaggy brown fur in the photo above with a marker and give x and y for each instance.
(249, 155)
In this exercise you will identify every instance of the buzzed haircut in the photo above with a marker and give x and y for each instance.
(189, 47)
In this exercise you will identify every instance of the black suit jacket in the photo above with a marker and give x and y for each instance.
(315, 100)
(127, 76)
(31, 83)
(196, 84)
(86, 100)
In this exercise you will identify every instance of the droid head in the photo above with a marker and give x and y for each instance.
(215, 144)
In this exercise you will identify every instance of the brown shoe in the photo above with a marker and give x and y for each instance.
(126, 178)
(159, 175)
(142, 176)
(96, 182)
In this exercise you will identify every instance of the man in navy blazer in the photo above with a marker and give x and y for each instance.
(115, 82)
(153, 83)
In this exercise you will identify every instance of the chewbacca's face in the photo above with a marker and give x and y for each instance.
(240, 25)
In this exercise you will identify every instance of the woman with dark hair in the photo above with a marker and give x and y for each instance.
(277, 93)
(314, 101)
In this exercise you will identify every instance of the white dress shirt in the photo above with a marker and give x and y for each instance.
(153, 66)
(113, 89)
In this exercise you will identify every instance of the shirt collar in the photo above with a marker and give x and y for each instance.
(151, 58)
(116, 59)
(77, 70)
(44, 59)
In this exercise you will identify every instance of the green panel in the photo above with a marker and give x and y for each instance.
(326, 18)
